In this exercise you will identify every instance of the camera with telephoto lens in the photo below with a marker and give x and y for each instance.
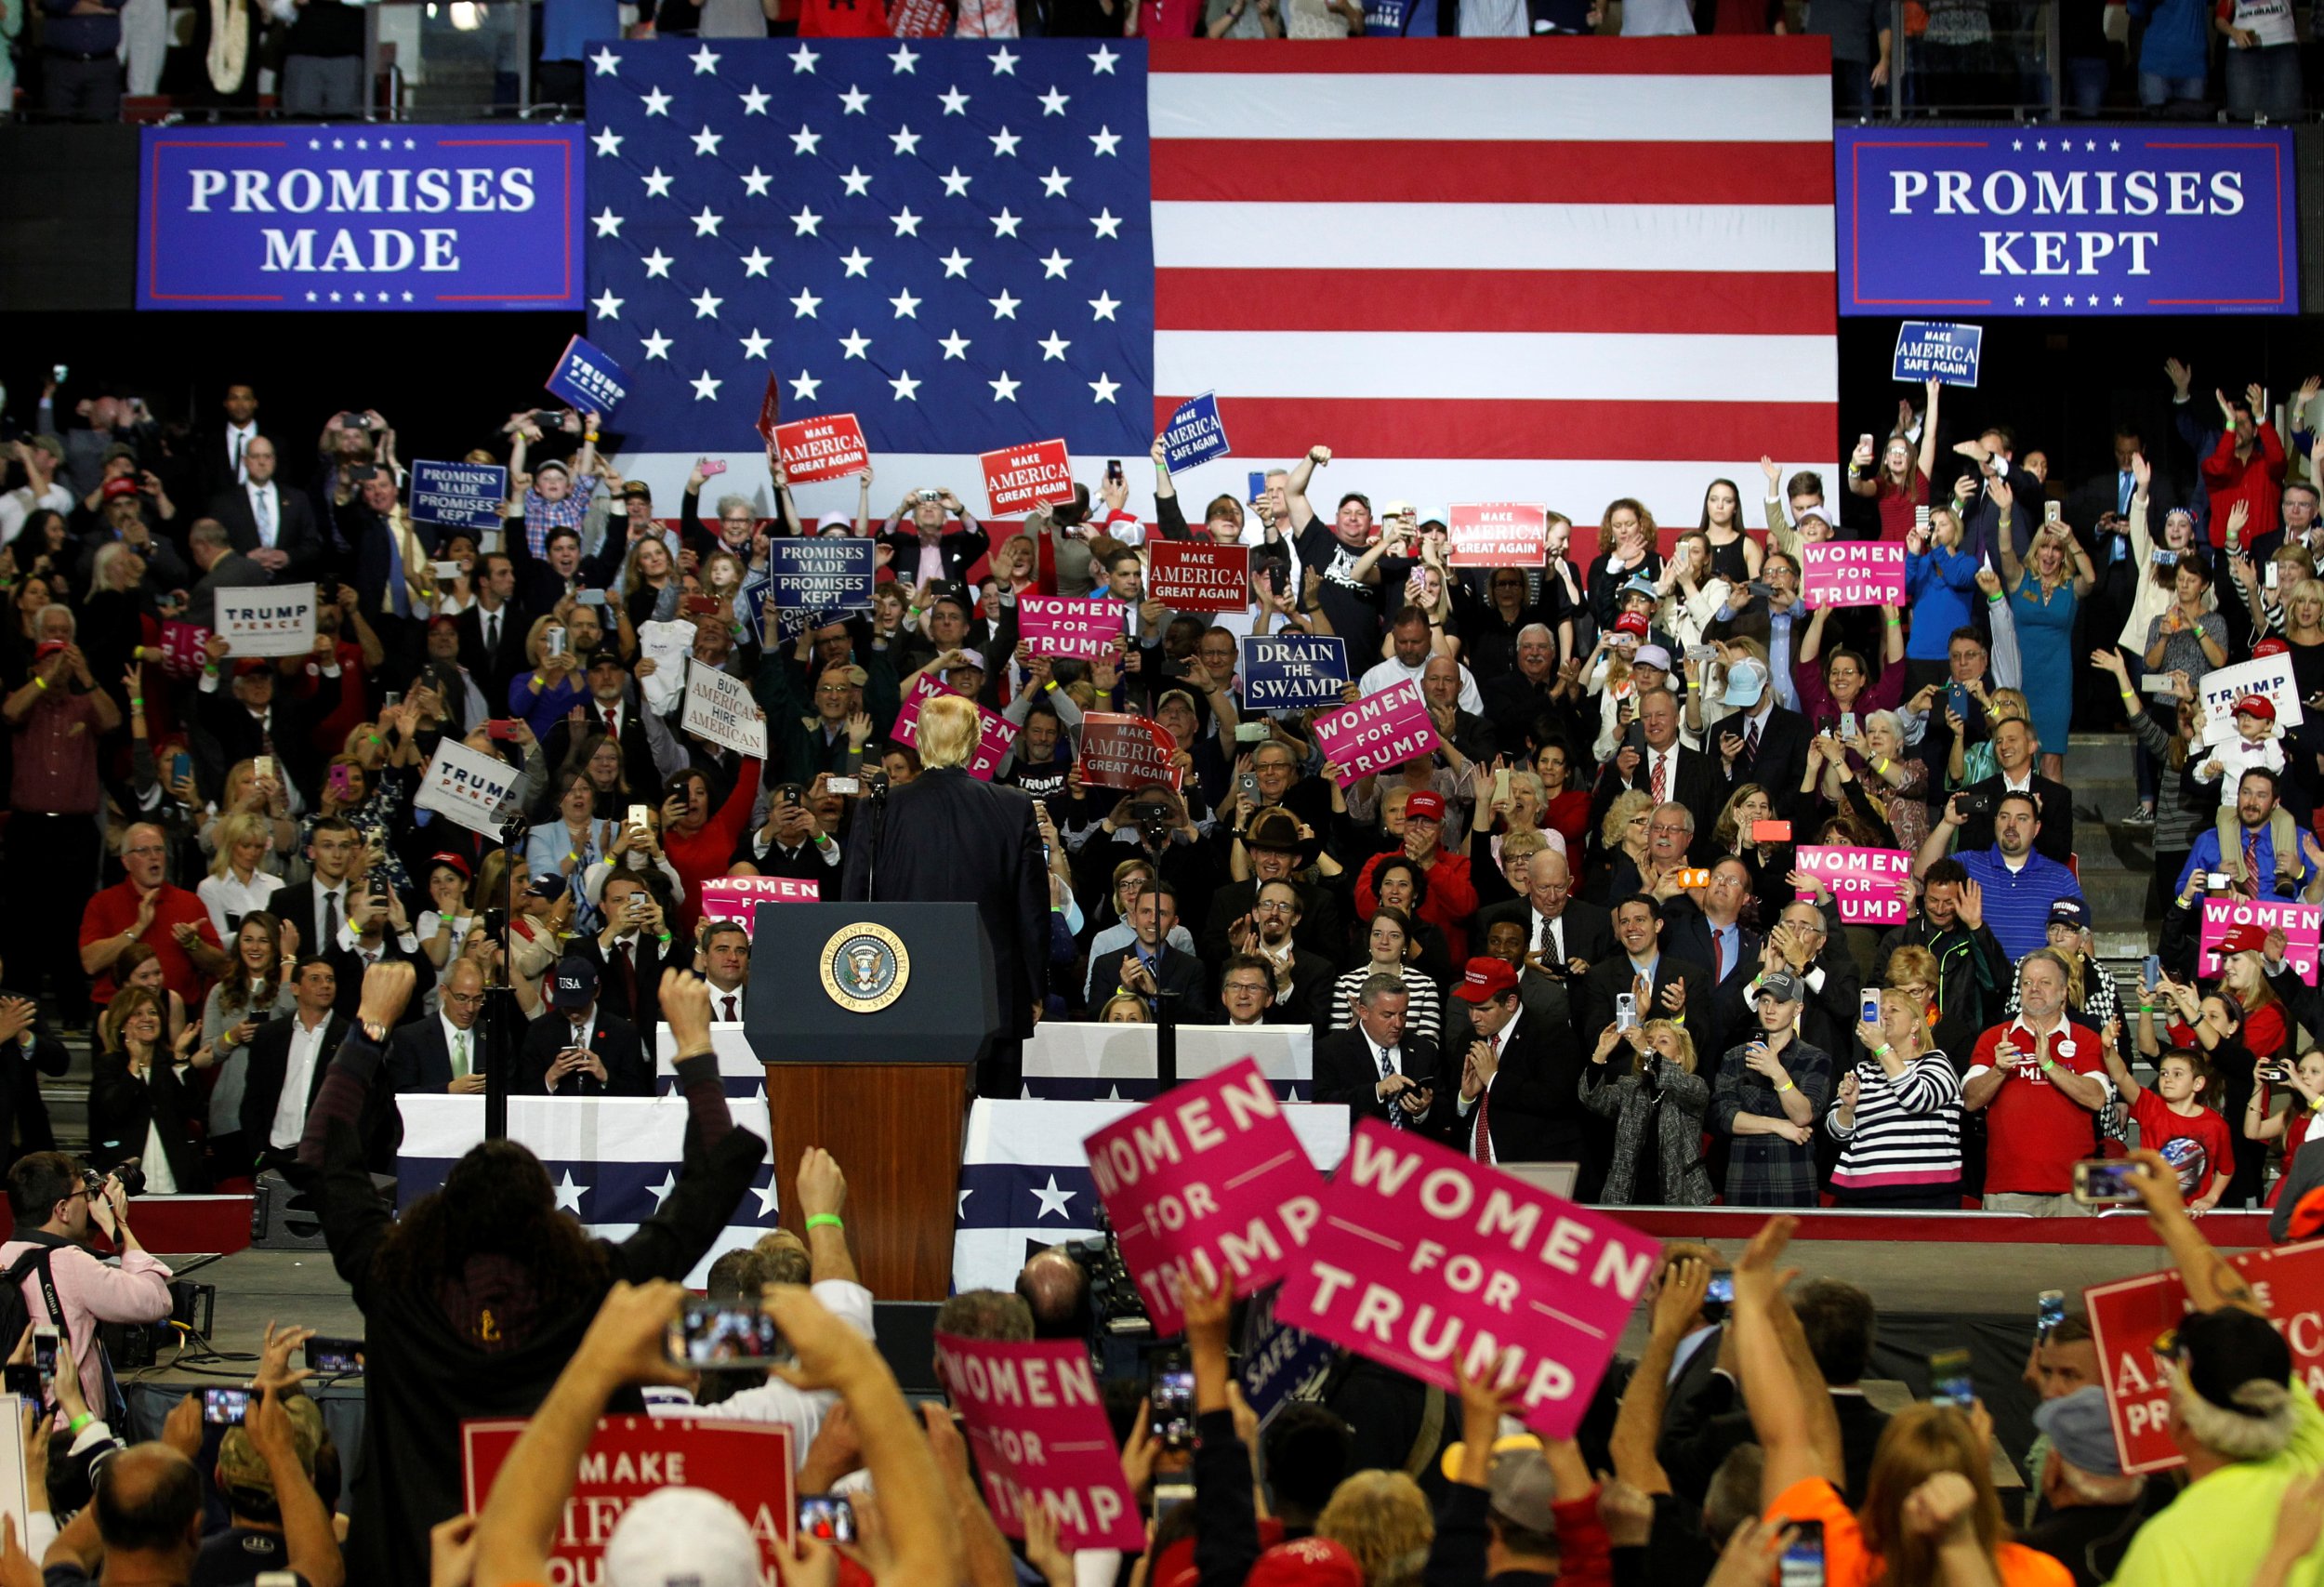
(131, 1172)
(1115, 1308)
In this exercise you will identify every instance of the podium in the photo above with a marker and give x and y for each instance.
(870, 1019)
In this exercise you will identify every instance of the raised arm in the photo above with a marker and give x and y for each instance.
(1295, 487)
(1927, 462)
(1791, 1413)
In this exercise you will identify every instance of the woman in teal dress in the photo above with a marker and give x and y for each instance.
(2043, 593)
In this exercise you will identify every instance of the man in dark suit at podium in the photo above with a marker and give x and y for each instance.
(946, 838)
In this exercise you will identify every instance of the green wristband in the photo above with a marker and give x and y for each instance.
(824, 1220)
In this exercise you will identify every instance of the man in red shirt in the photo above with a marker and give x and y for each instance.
(145, 908)
(55, 719)
(2247, 466)
(2042, 1077)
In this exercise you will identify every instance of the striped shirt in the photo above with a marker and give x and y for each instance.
(1907, 1129)
(1424, 1009)
(2017, 902)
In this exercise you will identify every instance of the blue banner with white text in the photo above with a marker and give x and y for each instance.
(399, 218)
(1958, 222)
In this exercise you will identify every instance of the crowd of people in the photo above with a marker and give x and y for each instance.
(1579, 929)
(1748, 1440)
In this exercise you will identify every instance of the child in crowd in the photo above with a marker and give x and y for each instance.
(2174, 1117)
(2257, 743)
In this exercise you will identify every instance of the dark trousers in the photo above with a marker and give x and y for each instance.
(85, 90)
(51, 870)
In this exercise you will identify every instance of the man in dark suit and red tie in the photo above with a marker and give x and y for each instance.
(1519, 1097)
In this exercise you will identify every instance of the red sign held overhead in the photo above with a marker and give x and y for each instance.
(2127, 1317)
(826, 448)
(746, 1463)
(1126, 752)
(1017, 478)
(1198, 576)
(771, 408)
(1498, 534)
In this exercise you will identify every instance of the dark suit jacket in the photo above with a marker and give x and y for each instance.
(1345, 1072)
(1588, 928)
(1781, 762)
(1322, 928)
(232, 571)
(122, 1107)
(213, 468)
(2100, 494)
(296, 535)
(23, 1116)
(1534, 1108)
(637, 749)
(1686, 934)
(269, 1062)
(948, 837)
(230, 733)
(1612, 976)
(1181, 974)
(419, 1056)
(2055, 840)
(614, 1041)
(1699, 785)
(495, 671)
(652, 959)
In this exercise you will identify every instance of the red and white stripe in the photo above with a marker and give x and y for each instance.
(1564, 271)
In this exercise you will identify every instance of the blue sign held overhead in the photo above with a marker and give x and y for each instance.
(2089, 220)
(1948, 353)
(588, 378)
(1289, 673)
(1193, 434)
(360, 218)
(819, 576)
(1277, 1359)
(467, 495)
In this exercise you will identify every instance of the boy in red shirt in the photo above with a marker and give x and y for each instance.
(2174, 1118)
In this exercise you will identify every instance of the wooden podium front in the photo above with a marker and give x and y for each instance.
(869, 1019)
(896, 1130)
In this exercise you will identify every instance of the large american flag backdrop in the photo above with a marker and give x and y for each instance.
(1547, 270)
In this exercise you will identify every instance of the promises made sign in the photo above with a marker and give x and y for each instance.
(407, 220)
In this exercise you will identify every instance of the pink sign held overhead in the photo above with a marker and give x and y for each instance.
(1210, 1179)
(1853, 572)
(737, 897)
(1865, 882)
(1036, 1418)
(1066, 624)
(1126, 752)
(2302, 924)
(1018, 478)
(1426, 1260)
(995, 732)
(1498, 534)
(1377, 733)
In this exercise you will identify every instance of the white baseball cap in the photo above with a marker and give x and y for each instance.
(681, 1536)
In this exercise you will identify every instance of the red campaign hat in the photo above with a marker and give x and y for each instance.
(250, 669)
(451, 861)
(122, 487)
(2307, 1215)
(1424, 806)
(2245, 938)
(1487, 979)
(48, 648)
(2270, 647)
(1631, 622)
(1310, 1562)
(2258, 706)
